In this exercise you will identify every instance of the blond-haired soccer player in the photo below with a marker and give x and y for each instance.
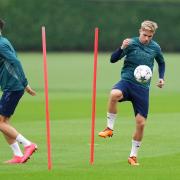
(140, 50)
(13, 83)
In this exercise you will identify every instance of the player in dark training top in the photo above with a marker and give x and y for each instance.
(13, 83)
(137, 51)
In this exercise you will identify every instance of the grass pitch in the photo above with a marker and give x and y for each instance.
(70, 84)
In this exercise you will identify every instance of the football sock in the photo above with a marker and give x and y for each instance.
(111, 120)
(22, 140)
(16, 149)
(135, 147)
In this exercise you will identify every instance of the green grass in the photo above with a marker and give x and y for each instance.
(70, 80)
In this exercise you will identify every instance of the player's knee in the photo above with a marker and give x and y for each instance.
(116, 95)
(140, 121)
(141, 124)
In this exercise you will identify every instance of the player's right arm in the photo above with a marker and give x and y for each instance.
(120, 53)
(30, 91)
(11, 58)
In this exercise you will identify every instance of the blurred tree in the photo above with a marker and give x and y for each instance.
(70, 24)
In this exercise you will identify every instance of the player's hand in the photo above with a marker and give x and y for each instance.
(30, 91)
(160, 83)
(125, 43)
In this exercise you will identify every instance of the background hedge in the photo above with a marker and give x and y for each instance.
(70, 23)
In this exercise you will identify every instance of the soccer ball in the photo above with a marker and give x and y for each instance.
(142, 73)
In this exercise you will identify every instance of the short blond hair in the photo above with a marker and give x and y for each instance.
(149, 25)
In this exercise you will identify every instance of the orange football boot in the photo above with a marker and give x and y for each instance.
(106, 133)
(133, 161)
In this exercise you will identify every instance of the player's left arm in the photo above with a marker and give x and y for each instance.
(161, 68)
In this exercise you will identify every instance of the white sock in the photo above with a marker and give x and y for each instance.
(16, 149)
(22, 140)
(135, 147)
(111, 120)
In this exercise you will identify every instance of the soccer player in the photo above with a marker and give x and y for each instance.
(140, 50)
(13, 84)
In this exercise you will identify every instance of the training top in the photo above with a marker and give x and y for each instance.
(137, 54)
(12, 77)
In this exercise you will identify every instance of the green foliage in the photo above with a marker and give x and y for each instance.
(70, 24)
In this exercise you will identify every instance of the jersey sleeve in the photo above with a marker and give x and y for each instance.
(161, 63)
(12, 59)
(117, 55)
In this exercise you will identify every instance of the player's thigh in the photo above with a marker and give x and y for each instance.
(9, 101)
(120, 90)
(140, 101)
(3, 119)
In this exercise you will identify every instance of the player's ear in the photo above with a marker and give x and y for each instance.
(140, 31)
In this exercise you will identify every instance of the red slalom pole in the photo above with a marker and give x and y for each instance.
(46, 97)
(94, 95)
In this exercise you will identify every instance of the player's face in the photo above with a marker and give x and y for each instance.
(145, 36)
